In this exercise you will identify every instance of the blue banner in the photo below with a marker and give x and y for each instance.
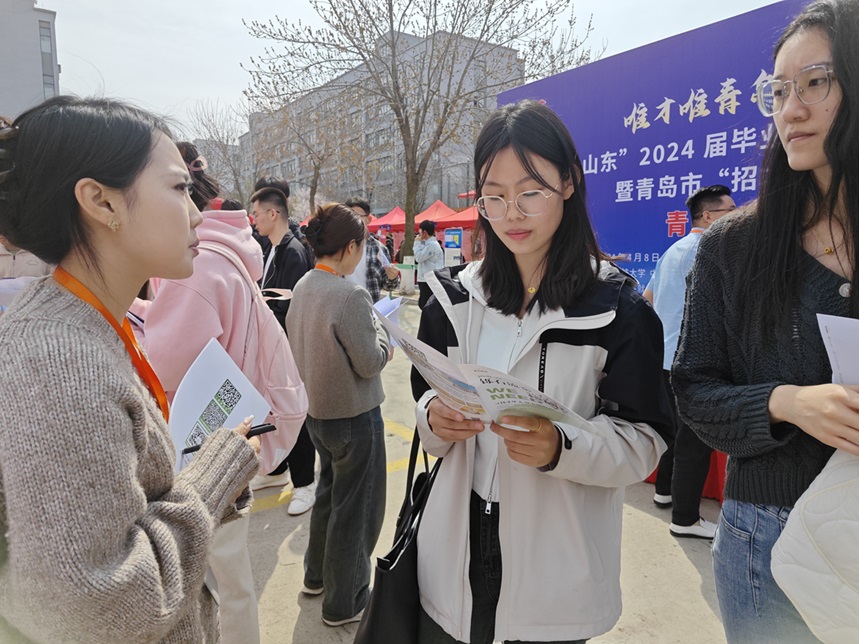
(654, 124)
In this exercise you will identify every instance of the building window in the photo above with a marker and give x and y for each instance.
(45, 37)
(49, 86)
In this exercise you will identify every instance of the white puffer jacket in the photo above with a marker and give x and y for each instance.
(816, 559)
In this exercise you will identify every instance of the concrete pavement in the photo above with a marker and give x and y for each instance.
(667, 583)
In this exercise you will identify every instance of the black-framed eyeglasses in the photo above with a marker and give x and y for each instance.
(812, 85)
(721, 209)
(531, 203)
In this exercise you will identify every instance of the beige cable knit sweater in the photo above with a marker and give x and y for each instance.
(99, 541)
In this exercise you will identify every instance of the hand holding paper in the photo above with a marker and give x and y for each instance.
(214, 393)
(450, 425)
(830, 412)
(534, 441)
(478, 392)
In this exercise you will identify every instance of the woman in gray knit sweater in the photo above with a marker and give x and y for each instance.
(340, 350)
(99, 540)
(751, 373)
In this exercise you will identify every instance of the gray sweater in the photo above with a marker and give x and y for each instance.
(339, 346)
(99, 541)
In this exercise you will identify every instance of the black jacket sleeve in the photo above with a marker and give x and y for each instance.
(435, 330)
(633, 387)
(290, 265)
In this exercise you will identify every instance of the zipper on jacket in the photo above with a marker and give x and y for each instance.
(488, 509)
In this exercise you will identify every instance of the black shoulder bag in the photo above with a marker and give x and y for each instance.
(393, 611)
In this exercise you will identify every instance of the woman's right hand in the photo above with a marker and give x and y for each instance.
(243, 429)
(450, 425)
(829, 413)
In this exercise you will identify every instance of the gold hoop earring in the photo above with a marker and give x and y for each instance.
(113, 225)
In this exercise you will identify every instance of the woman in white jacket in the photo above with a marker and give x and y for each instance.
(521, 540)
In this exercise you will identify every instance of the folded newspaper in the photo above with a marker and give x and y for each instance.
(480, 392)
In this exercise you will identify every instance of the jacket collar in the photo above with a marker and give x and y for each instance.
(458, 288)
(460, 282)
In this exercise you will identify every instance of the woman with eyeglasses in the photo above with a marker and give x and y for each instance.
(521, 537)
(751, 371)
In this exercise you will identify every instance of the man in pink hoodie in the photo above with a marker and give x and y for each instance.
(217, 302)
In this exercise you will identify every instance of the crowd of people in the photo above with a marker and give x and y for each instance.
(135, 262)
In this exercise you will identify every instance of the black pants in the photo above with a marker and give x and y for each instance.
(683, 469)
(301, 461)
(425, 294)
(484, 574)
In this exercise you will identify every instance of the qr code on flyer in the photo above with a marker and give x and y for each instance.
(197, 435)
(213, 416)
(228, 396)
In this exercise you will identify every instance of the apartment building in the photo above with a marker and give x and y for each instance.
(29, 71)
(350, 139)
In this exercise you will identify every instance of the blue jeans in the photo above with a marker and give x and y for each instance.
(754, 609)
(484, 574)
(349, 510)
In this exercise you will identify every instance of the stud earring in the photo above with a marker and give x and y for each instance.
(113, 225)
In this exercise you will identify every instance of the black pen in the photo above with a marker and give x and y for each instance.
(254, 431)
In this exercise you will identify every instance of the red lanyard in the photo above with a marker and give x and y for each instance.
(144, 369)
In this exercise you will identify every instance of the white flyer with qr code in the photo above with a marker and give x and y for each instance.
(214, 393)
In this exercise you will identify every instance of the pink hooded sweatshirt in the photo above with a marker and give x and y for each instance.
(215, 302)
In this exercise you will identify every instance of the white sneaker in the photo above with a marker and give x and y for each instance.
(263, 481)
(303, 499)
(701, 529)
(662, 500)
(307, 590)
(340, 622)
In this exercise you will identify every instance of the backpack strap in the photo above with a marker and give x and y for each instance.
(236, 261)
(234, 258)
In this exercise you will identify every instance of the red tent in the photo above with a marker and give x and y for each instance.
(396, 219)
(464, 219)
(436, 211)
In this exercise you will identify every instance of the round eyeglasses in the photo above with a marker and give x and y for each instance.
(531, 203)
(812, 85)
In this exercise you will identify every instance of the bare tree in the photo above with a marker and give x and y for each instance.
(217, 130)
(316, 129)
(300, 205)
(434, 66)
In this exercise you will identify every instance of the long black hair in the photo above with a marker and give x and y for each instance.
(787, 196)
(531, 129)
(48, 149)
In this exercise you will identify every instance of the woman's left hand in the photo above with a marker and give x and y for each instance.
(537, 446)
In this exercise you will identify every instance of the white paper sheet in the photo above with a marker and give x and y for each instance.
(389, 308)
(841, 339)
(480, 392)
(281, 294)
(214, 393)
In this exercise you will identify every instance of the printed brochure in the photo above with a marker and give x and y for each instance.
(480, 392)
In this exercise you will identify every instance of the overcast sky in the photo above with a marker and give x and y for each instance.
(168, 54)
